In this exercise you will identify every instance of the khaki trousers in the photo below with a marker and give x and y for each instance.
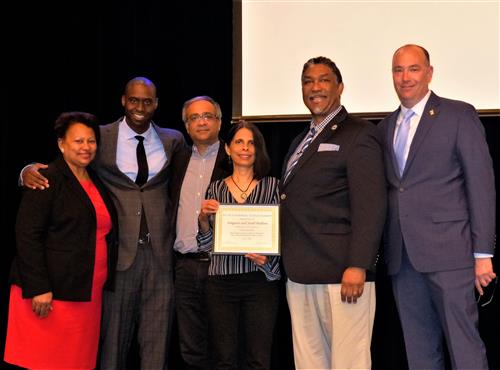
(328, 333)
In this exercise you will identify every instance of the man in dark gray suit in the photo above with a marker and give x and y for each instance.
(439, 236)
(143, 295)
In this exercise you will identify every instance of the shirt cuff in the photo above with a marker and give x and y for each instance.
(483, 255)
(20, 181)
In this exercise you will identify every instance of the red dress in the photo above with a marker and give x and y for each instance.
(68, 337)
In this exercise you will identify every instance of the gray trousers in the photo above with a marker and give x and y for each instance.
(143, 298)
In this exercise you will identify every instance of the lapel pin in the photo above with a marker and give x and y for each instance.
(431, 112)
(334, 127)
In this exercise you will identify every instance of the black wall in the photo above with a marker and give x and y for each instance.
(78, 56)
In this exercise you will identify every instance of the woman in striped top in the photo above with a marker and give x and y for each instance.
(242, 290)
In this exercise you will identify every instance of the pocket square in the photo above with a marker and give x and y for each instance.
(327, 147)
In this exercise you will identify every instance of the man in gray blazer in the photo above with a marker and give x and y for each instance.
(143, 295)
(439, 236)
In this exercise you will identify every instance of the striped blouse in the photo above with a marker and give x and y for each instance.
(265, 192)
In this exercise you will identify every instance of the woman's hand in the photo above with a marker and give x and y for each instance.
(256, 258)
(208, 208)
(42, 304)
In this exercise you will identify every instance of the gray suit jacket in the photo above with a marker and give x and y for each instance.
(129, 198)
(443, 206)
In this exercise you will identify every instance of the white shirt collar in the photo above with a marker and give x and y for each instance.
(130, 134)
(417, 108)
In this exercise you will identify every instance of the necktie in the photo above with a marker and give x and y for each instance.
(401, 139)
(306, 143)
(142, 162)
(141, 179)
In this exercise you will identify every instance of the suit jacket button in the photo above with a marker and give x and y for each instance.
(401, 189)
(283, 196)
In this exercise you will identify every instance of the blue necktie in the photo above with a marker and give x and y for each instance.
(401, 139)
(306, 143)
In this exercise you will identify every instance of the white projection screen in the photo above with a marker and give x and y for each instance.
(273, 39)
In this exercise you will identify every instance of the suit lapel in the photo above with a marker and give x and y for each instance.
(328, 131)
(293, 148)
(222, 168)
(104, 195)
(107, 149)
(431, 111)
(391, 128)
(75, 186)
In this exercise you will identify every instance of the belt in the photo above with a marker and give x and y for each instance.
(201, 256)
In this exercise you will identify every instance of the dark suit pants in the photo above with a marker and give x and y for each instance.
(434, 304)
(242, 312)
(190, 283)
(143, 299)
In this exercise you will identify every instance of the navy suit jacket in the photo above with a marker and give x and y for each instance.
(443, 206)
(333, 203)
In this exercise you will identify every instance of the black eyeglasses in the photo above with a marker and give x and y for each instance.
(487, 297)
(206, 116)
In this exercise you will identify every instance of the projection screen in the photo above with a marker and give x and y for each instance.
(274, 38)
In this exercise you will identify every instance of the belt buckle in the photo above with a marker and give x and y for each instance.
(144, 241)
(204, 258)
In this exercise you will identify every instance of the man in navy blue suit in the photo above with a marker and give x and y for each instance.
(440, 231)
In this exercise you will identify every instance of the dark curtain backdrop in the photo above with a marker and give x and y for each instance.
(78, 56)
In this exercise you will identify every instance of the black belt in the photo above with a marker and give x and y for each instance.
(201, 256)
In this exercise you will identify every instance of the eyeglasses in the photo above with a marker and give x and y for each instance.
(487, 298)
(205, 116)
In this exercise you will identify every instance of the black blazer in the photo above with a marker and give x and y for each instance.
(56, 236)
(180, 162)
(333, 204)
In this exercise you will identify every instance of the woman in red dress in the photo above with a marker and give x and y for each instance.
(66, 254)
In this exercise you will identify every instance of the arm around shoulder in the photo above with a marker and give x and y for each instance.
(30, 177)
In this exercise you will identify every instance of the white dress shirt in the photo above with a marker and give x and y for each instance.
(126, 158)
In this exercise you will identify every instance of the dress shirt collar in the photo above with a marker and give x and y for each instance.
(211, 150)
(418, 108)
(130, 134)
(320, 126)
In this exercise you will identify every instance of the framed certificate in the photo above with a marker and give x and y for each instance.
(242, 228)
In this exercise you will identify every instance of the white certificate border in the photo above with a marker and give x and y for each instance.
(273, 250)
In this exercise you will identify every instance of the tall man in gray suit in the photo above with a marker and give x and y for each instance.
(143, 295)
(439, 236)
(333, 203)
